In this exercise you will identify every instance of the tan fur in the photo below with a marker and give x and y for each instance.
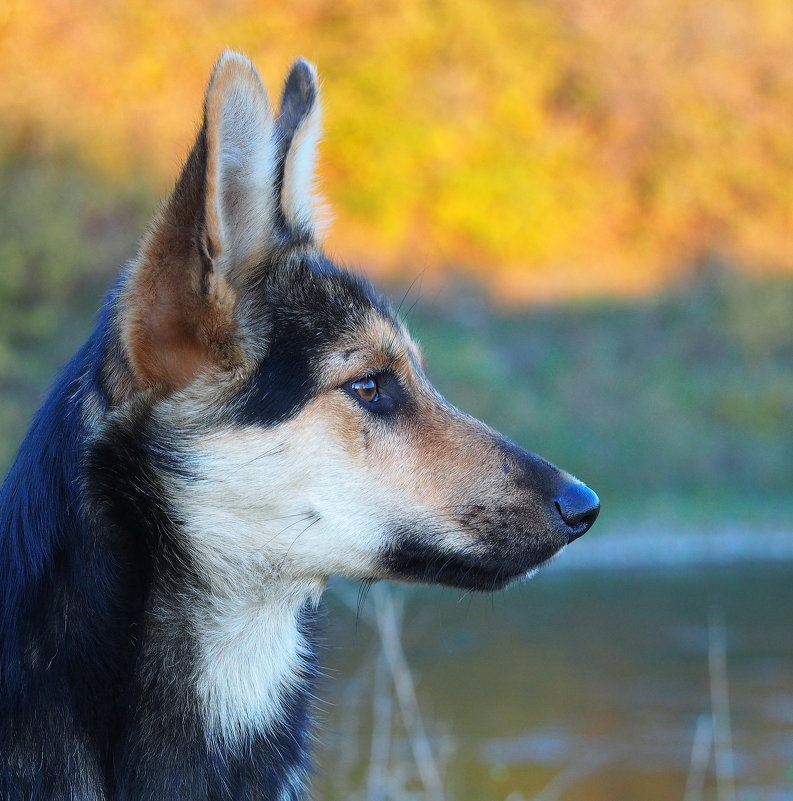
(376, 345)
(171, 329)
(441, 442)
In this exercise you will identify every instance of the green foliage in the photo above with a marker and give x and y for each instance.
(62, 238)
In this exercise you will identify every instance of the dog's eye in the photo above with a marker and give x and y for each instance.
(379, 393)
(366, 389)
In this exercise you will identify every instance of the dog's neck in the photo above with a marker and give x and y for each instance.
(253, 654)
(228, 655)
(252, 651)
(226, 681)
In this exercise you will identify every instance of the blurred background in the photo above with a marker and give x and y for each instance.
(586, 212)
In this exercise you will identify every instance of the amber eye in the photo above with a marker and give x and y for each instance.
(366, 390)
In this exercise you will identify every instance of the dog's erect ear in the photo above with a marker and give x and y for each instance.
(178, 308)
(240, 165)
(298, 130)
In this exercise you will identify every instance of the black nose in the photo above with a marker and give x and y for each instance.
(578, 507)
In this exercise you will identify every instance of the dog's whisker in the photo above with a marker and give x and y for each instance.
(266, 454)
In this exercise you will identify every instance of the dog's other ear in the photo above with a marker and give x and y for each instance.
(178, 306)
(298, 129)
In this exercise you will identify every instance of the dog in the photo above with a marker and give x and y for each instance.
(246, 420)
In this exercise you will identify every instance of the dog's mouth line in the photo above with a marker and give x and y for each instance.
(468, 570)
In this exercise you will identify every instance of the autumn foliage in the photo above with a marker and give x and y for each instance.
(555, 146)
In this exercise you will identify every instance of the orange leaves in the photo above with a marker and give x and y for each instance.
(609, 142)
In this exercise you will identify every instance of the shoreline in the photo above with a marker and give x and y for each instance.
(659, 547)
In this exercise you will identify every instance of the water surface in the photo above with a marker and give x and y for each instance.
(581, 686)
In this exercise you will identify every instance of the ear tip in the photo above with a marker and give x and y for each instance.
(301, 84)
(231, 63)
(305, 67)
(229, 57)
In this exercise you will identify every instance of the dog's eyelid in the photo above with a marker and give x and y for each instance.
(366, 375)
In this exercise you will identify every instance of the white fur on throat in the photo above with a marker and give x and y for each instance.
(252, 655)
(269, 513)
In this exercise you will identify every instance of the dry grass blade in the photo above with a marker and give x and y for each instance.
(720, 707)
(388, 618)
(700, 755)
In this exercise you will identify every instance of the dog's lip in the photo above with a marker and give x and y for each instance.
(497, 577)
(494, 580)
(498, 561)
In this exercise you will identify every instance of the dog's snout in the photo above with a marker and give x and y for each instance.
(571, 506)
(578, 506)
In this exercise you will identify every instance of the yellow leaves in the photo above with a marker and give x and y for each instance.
(610, 142)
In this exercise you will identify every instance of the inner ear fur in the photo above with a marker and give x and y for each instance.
(299, 128)
(179, 300)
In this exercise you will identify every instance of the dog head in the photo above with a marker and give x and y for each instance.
(310, 441)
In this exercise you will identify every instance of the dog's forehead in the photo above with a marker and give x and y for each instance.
(345, 319)
(375, 341)
(324, 327)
